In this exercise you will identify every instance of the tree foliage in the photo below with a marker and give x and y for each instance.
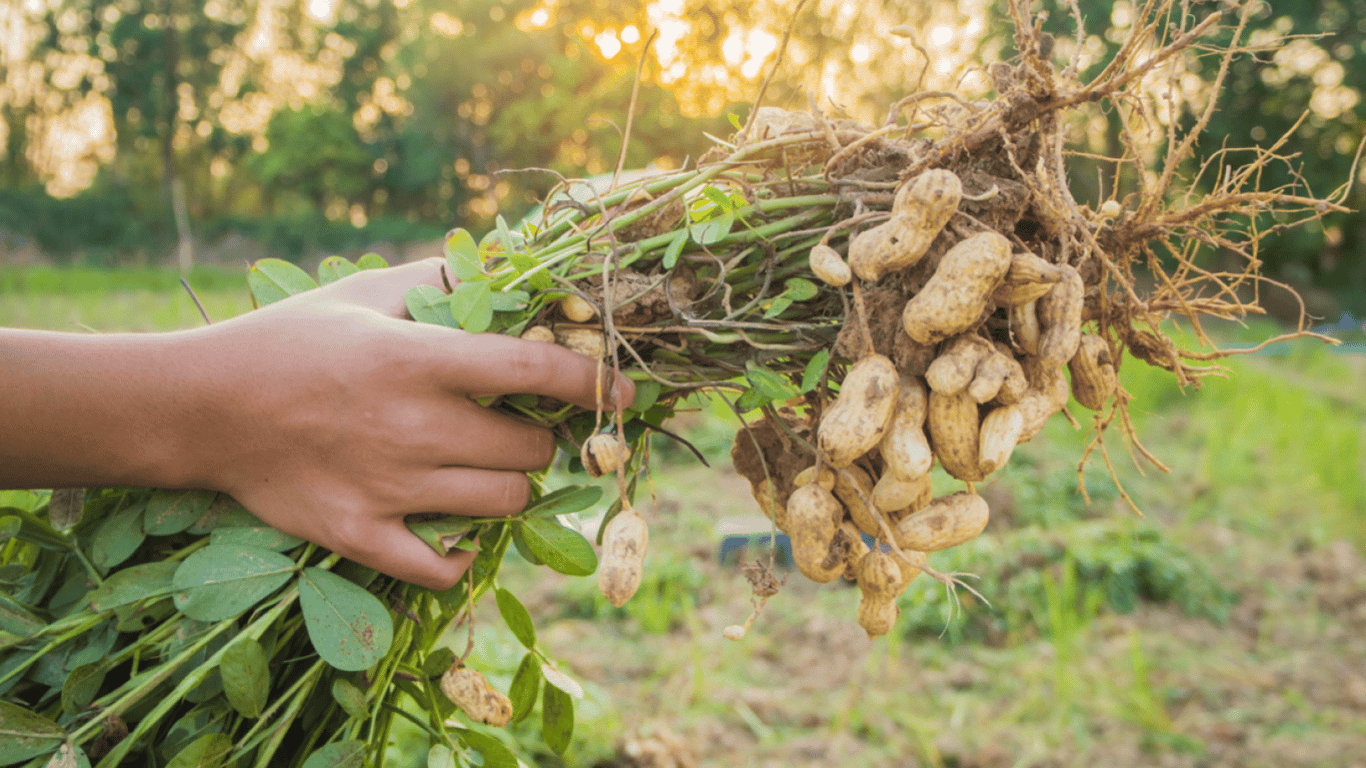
(388, 119)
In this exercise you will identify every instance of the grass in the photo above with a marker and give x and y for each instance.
(1225, 628)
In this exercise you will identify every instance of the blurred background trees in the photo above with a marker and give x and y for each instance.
(316, 126)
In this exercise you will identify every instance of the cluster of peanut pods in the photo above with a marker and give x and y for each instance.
(976, 399)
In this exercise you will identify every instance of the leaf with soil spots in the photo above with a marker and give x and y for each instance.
(349, 627)
(222, 580)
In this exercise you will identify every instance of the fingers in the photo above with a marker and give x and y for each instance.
(479, 437)
(389, 547)
(382, 289)
(468, 491)
(493, 364)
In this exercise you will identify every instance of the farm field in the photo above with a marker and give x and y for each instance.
(1226, 627)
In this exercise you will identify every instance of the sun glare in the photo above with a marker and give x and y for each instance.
(860, 53)
(941, 35)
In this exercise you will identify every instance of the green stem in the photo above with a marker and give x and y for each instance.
(85, 626)
(253, 630)
(309, 681)
(259, 730)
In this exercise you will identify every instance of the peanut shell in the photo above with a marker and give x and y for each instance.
(624, 542)
(946, 522)
(856, 421)
(954, 369)
(1001, 430)
(904, 447)
(481, 702)
(1093, 372)
(954, 433)
(1059, 313)
(954, 298)
(829, 266)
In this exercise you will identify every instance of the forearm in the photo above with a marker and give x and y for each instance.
(86, 410)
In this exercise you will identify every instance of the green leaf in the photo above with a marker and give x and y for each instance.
(438, 661)
(246, 676)
(801, 290)
(711, 231)
(169, 512)
(207, 751)
(525, 685)
(24, 735)
(557, 719)
(243, 529)
(749, 400)
(718, 198)
(647, 394)
(735, 121)
(132, 584)
(495, 753)
(524, 549)
(221, 581)
(209, 717)
(561, 549)
(9, 527)
(65, 507)
(271, 280)
(768, 383)
(815, 368)
(524, 263)
(94, 645)
(516, 616)
(675, 250)
(428, 304)
(338, 754)
(512, 301)
(222, 507)
(16, 619)
(67, 756)
(462, 255)
(351, 698)
(777, 307)
(472, 307)
(349, 627)
(81, 687)
(440, 756)
(433, 531)
(117, 538)
(564, 501)
(371, 261)
(334, 268)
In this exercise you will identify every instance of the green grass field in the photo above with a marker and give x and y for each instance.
(1225, 627)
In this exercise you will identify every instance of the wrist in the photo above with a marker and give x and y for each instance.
(97, 410)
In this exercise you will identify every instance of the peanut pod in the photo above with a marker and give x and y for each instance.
(954, 298)
(1093, 372)
(856, 421)
(920, 210)
(954, 369)
(879, 581)
(1024, 327)
(954, 430)
(852, 486)
(1001, 430)
(481, 702)
(1059, 313)
(946, 522)
(624, 542)
(898, 498)
(1028, 278)
(904, 447)
(812, 512)
(829, 266)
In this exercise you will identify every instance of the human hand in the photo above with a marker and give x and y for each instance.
(333, 417)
